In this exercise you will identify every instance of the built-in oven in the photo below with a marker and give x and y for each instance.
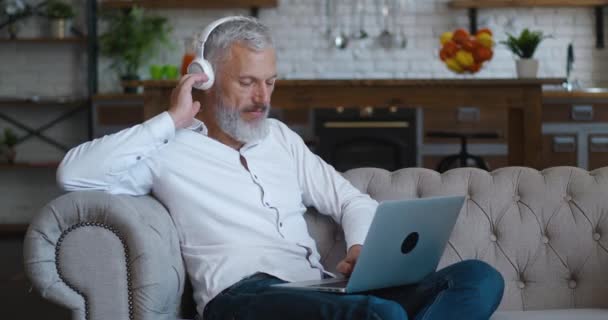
(353, 137)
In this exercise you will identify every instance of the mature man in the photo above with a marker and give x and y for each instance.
(237, 185)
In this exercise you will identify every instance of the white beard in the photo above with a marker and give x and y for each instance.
(230, 121)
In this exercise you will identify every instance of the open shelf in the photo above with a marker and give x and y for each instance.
(474, 5)
(525, 3)
(45, 40)
(175, 4)
(41, 102)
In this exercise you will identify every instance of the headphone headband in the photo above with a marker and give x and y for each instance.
(209, 29)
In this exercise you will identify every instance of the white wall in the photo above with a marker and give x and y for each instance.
(304, 52)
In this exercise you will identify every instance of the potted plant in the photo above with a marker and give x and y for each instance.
(131, 39)
(524, 47)
(7, 145)
(12, 12)
(60, 16)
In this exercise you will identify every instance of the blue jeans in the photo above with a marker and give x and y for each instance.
(469, 290)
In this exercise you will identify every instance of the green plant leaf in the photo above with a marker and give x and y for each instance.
(132, 38)
(524, 45)
(56, 9)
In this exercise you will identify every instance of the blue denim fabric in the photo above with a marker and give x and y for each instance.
(469, 290)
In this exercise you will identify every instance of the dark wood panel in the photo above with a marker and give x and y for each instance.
(598, 154)
(553, 158)
(175, 4)
(489, 121)
(493, 161)
(120, 115)
(563, 112)
(524, 3)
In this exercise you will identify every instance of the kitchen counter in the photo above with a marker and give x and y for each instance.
(522, 100)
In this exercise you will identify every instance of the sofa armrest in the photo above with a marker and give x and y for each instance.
(106, 256)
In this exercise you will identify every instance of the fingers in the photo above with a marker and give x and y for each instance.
(344, 267)
(188, 80)
(196, 107)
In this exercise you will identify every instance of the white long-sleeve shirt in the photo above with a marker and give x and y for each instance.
(232, 222)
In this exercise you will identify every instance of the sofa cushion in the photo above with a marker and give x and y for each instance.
(562, 314)
(545, 231)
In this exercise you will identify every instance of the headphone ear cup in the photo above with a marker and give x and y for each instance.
(202, 66)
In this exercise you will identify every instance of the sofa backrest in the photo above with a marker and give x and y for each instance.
(546, 232)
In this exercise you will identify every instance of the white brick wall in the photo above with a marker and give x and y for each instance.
(304, 52)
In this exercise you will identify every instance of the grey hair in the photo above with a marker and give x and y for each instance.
(246, 30)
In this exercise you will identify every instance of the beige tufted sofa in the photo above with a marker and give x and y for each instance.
(117, 257)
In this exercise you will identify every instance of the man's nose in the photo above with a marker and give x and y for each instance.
(262, 94)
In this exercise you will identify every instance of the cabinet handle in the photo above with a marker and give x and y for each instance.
(468, 114)
(599, 144)
(582, 113)
(564, 144)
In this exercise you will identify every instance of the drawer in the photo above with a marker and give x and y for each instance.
(465, 120)
(582, 112)
(559, 150)
(598, 151)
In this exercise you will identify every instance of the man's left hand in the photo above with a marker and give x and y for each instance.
(347, 265)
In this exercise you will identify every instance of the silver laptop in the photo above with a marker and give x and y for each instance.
(403, 245)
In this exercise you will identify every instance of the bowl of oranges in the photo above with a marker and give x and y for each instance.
(463, 52)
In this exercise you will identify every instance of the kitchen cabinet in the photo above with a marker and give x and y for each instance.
(517, 103)
(576, 125)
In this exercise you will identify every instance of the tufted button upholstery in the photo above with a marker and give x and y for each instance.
(545, 239)
(541, 236)
(572, 284)
(521, 284)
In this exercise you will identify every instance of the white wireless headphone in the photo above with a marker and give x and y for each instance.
(200, 64)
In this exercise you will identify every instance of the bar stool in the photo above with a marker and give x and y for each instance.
(463, 158)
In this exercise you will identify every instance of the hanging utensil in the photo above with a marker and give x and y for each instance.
(361, 33)
(341, 39)
(401, 13)
(386, 38)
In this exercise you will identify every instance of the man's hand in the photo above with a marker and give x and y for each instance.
(347, 265)
(183, 109)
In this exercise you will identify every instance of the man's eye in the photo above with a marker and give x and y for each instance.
(270, 83)
(246, 83)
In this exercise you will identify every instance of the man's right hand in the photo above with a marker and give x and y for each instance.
(183, 109)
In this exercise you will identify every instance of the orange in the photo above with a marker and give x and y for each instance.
(468, 45)
(460, 36)
(482, 54)
(475, 67)
(450, 48)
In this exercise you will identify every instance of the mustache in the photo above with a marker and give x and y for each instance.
(262, 108)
